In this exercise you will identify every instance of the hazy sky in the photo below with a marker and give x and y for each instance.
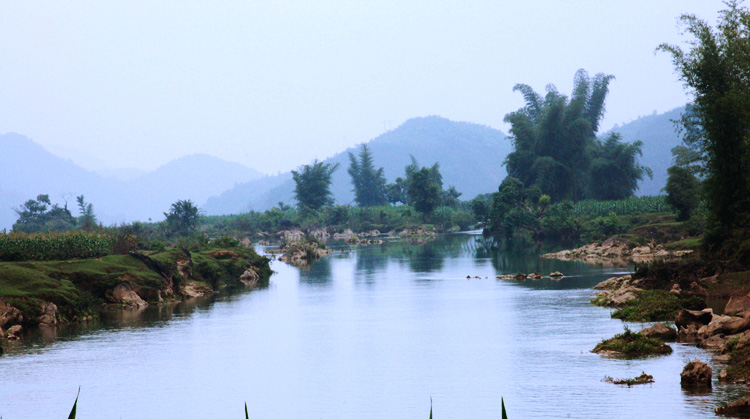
(274, 84)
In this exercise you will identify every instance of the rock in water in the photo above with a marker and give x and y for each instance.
(696, 374)
(739, 407)
(660, 331)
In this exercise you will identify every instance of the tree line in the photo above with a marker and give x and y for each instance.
(421, 187)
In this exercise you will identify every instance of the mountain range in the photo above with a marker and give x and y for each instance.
(27, 170)
(470, 157)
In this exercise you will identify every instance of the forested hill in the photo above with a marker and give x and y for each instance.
(659, 137)
(470, 155)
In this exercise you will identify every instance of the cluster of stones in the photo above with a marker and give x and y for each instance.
(299, 253)
(722, 334)
(534, 276)
(11, 319)
(614, 250)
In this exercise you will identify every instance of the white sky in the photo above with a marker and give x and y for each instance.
(274, 84)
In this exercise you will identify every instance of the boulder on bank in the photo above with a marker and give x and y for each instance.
(696, 374)
(739, 407)
(738, 306)
(616, 292)
(729, 325)
(660, 331)
(124, 294)
(9, 315)
(14, 332)
(700, 318)
(49, 314)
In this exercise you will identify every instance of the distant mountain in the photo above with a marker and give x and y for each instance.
(470, 158)
(124, 174)
(195, 177)
(27, 170)
(659, 137)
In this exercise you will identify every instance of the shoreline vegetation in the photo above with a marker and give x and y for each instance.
(43, 291)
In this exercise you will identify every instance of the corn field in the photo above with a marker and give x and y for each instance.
(16, 247)
(630, 206)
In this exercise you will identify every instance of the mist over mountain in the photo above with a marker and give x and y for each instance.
(27, 170)
(470, 156)
(659, 137)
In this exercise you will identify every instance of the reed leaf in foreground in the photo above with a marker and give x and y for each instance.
(502, 403)
(72, 414)
(246, 415)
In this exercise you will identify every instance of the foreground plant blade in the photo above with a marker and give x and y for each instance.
(72, 414)
(430, 407)
(502, 403)
(246, 415)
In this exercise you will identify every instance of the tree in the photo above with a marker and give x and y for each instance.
(369, 184)
(423, 191)
(552, 136)
(86, 219)
(396, 191)
(615, 171)
(683, 191)
(313, 185)
(182, 218)
(35, 217)
(556, 148)
(715, 71)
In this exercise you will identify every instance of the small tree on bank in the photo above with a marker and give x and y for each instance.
(182, 218)
(313, 185)
(369, 184)
(86, 219)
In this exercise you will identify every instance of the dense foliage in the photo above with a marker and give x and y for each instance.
(40, 215)
(369, 184)
(715, 71)
(683, 191)
(556, 149)
(525, 216)
(313, 185)
(182, 218)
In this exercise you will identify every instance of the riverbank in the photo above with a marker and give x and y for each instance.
(709, 304)
(46, 293)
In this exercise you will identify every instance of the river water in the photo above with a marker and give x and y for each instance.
(374, 332)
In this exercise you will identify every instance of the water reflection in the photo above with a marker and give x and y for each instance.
(316, 338)
(318, 273)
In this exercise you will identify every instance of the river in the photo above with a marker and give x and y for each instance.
(374, 332)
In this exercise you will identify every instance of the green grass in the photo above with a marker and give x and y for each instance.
(633, 345)
(77, 287)
(684, 244)
(656, 305)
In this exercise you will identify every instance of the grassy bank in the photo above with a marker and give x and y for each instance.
(79, 287)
